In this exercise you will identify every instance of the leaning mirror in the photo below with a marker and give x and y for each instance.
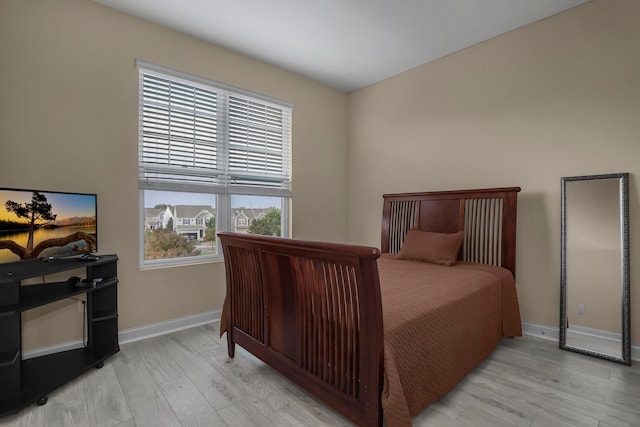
(594, 285)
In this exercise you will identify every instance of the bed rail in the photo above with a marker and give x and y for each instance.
(313, 312)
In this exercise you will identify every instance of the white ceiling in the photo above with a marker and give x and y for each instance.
(345, 44)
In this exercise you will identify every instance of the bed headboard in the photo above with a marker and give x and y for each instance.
(487, 216)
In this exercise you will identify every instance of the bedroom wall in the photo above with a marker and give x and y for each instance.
(559, 97)
(68, 122)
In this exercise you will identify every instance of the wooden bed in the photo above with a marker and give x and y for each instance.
(314, 311)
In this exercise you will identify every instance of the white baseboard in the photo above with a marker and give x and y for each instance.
(135, 334)
(541, 331)
(161, 328)
(552, 333)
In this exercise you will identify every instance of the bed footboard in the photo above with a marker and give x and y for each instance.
(313, 312)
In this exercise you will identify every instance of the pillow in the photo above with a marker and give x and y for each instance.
(436, 248)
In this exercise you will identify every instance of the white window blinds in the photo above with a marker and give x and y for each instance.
(258, 148)
(197, 133)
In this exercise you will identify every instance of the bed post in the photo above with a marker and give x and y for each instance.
(509, 225)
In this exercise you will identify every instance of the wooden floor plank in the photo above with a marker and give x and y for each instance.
(432, 417)
(159, 362)
(106, 402)
(243, 414)
(534, 400)
(212, 384)
(67, 406)
(185, 399)
(146, 401)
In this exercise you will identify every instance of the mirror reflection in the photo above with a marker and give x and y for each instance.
(595, 266)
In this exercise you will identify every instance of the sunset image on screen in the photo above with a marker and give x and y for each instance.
(37, 224)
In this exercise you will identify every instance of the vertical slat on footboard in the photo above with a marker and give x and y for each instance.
(327, 304)
(247, 294)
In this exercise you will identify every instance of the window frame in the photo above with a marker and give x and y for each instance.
(232, 182)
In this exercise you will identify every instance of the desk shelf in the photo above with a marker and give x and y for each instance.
(23, 382)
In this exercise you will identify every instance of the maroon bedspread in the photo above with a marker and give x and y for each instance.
(439, 323)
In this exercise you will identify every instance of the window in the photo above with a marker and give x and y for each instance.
(205, 150)
(263, 215)
(171, 237)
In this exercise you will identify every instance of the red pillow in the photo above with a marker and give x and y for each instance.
(436, 248)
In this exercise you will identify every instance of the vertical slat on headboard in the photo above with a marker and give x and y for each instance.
(483, 231)
(402, 218)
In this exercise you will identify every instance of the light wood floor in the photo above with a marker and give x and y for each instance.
(186, 379)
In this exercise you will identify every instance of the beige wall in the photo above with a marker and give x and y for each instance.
(68, 122)
(556, 98)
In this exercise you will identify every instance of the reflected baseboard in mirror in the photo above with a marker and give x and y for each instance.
(594, 282)
(597, 341)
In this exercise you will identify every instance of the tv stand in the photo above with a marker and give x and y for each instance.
(23, 382)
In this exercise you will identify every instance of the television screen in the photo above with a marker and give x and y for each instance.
(43, 224)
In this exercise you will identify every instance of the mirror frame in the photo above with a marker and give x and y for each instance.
(625, 276)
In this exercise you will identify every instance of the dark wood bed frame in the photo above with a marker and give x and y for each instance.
(312, 310)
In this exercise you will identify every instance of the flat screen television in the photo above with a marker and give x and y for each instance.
(46, 224)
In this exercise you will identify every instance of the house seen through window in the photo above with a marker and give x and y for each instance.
(211, 158)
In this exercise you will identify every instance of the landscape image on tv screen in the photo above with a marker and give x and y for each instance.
(43, 224)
